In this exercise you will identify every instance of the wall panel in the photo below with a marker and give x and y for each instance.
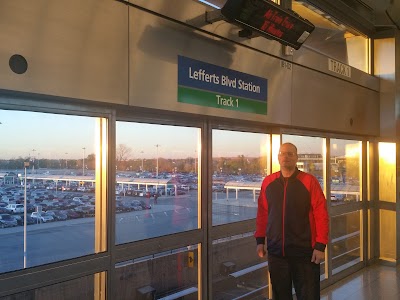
(323, 102)
(155, 44)
(74, 48)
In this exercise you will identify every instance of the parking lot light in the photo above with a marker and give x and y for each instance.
(26, 165)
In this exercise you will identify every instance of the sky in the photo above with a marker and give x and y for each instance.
(45, 135)
(52, 136)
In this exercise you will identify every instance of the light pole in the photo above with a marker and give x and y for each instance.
(26, 165)
(142, 160)
(33, 161)
(195, 162)
(83, 162)
(66, 160)
(157, 160)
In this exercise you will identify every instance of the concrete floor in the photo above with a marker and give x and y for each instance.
(376, 282)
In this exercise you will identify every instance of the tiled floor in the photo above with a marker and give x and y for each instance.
(376, 282)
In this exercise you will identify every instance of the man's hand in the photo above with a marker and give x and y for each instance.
(260, 250)
(317, 256)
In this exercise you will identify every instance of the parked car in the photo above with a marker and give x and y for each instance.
(145, 205)
(60, 215)
(136, 205)
(57, 215)
(3, 210)
(7, 220)
(71, 214)
(20, 220)
(15, 208)
(85, 210)
(42, 217)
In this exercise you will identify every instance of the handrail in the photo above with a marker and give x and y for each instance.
(343, 237)
(179, 294)
(249, 269)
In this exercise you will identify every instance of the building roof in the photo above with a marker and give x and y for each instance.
(245, 185)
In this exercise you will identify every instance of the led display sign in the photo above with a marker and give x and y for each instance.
(269, 20)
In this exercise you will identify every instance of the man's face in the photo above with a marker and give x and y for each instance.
(287, 157)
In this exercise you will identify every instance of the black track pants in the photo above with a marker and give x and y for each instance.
(301, 271)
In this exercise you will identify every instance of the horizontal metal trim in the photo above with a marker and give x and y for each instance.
(13, 100)
(340, 11)
(51, 274)
(338, 210)
(154, 116)
(385, 205)
(231, 229)
(143, 248)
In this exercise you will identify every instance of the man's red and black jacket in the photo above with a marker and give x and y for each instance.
(292, 215)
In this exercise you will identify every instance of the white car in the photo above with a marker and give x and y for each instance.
(15, 208)
(42, 217)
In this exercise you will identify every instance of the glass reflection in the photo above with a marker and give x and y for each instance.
(239, 166)
(346, 241)
(156, 180)
(82, 288)
(310, 152)
(333, 38)
(47, 180)
(170, 274)
(345, 171)
(237, 270)
(387, 172)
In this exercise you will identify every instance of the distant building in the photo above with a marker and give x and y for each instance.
(8, 178)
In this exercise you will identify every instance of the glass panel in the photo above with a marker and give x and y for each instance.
(387, 235)
(49, 162)
(346, 241)
(157, 183)
(236, 274)
(240, 162)
(310, 151)
(387, 192)
(387, 172)
(81, 288)
(334, 39)
(345, 171)
(171, 273)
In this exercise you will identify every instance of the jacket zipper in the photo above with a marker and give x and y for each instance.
(286, 180)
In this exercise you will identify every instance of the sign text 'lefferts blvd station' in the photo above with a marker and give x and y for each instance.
(209, 85)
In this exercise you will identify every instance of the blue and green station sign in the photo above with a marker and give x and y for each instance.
(210, 85)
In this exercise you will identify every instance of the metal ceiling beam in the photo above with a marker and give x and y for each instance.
(357, 15)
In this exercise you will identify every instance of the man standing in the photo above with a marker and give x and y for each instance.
(293, 217)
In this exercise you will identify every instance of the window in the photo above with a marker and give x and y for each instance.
(156, 180)
(345, 171)
(171, 273)
(81, 288)
(239, 166)
(237, 270)
(310, 151)
(346, 240)
(50, 165)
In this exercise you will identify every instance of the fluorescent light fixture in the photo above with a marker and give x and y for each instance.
(209, 4)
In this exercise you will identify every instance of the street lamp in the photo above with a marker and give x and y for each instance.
(83, 162)
(157, 160)
(33, 161)
(195, 161)
(26, 165)
(142, 160)
(66, 160)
